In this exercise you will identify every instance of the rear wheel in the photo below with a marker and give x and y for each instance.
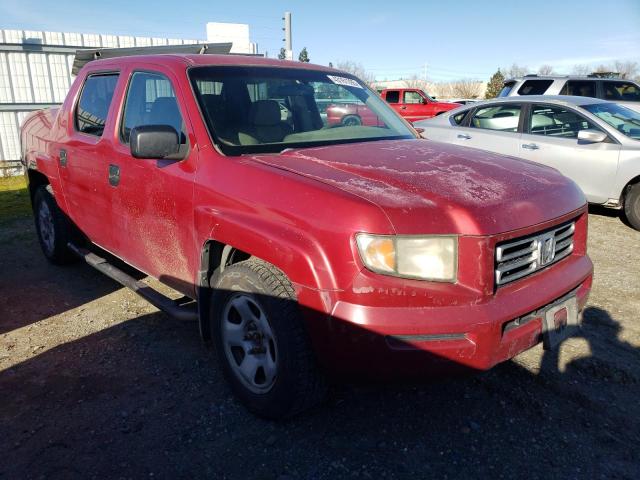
(261, 341)
(52, 227)
(632, 206)
(351, 121)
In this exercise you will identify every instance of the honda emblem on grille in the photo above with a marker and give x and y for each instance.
(547, 248)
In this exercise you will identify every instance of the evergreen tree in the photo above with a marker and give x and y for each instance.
(283, 54)
(496, 82)
(304, 56)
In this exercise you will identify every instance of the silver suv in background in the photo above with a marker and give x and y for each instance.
(623, 92)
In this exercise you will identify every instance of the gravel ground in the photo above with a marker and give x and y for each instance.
(98, 384)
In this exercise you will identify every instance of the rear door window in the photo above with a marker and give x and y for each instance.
(534, 87)
(504, 118)
(151, 100)
(621, 91)
(579, 88)
(93, 106)
(556, 121)
(393, 96)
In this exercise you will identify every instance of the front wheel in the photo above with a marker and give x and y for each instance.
(261, 341)
(632, 206)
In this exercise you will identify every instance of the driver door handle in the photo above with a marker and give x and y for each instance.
(403, 108)
(530, 146)
(464, 136)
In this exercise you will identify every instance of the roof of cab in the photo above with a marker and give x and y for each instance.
(187, 60)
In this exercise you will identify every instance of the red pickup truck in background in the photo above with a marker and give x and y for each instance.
(303, 249)
(414, 104)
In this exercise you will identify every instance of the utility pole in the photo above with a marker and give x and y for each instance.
(287, 35)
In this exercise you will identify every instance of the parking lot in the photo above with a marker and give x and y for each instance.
(96, 383)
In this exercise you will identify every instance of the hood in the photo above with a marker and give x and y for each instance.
(429, 187)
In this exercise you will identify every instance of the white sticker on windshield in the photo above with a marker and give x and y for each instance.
(349, 82)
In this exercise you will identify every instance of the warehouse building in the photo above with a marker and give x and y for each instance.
(36, 71)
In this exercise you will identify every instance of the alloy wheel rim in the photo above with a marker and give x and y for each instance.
(249, 343)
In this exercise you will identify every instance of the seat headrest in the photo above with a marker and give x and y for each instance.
(164, 110)
(264, 113)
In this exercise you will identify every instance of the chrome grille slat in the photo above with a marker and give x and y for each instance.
(523, 256)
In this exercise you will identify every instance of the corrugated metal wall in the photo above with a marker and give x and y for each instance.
(32, 77)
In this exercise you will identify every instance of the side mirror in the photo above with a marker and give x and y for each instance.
(425, 100)
(591, 136)
(154, 141)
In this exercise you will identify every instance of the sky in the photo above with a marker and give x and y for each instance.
(452, 39)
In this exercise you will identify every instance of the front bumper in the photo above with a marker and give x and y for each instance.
(404, 341)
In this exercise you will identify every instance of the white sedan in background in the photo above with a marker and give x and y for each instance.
(594, 142)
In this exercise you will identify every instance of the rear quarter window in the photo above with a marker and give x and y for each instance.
(458, 118)
(534, 87)
(506, 90)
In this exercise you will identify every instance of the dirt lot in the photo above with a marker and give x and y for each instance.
(96, 383)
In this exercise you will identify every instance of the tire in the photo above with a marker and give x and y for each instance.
(351, 121)
(261, 341)
(632, 206)
(52, 227)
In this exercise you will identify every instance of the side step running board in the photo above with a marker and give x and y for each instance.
(176, 308)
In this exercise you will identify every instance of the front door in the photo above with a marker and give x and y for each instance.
(413, 106)
(552, 139)
(153, 199)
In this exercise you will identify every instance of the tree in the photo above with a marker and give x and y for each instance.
(356, 69)
(283, 54)
(496, 82)
(466, 88)
(581, 69)
(330, 64)
(414, 82)
(627, 70)
(304, 55)
(545, 70)
(516, 71)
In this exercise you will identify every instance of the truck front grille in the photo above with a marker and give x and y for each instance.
(523, 256)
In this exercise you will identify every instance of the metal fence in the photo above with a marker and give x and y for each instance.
(35, 73)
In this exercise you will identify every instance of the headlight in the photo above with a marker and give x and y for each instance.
(421, 257)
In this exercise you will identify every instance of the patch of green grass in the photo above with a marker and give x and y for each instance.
(14, 199)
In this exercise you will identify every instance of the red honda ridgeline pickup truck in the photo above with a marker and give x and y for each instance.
(310, 250)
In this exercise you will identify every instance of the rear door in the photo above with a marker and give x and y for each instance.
(153, 199)
(83, 158)
(494, 128)
(392, 97)
(551, 138)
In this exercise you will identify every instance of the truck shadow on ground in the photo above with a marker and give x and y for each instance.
(145, 398)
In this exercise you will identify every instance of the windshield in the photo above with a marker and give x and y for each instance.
(623, 119)
(269, 109)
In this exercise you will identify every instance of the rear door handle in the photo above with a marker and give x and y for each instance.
(403, 108)
(63, 158)
(530, 146)
(464, 136)
(114, 175)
